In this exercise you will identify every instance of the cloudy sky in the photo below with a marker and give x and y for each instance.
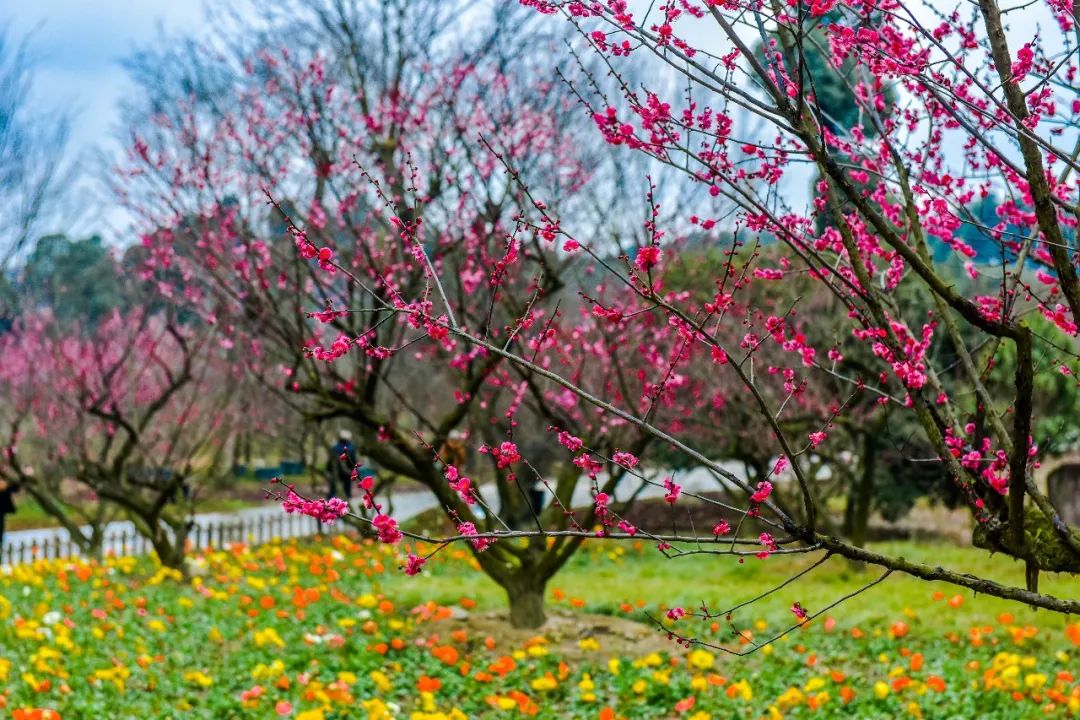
(78, 45)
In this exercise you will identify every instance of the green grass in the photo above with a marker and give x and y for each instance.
(332, 628)
(626, 575)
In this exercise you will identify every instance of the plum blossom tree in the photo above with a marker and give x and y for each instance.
(979, 109)
(437, 223)
(123, 417)
(369, 142)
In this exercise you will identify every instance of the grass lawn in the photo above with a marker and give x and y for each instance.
(330, 629)
(635, 574)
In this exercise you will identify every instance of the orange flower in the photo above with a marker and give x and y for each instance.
(266, 602)
(311, 595)
(956, 601)
(935, 683)
(1073, 633)
(847, 694)
(35, 714)
(467, 603)
(459, 636)
(428, 684)
(606, 713)
(837, 676)
(684, 705)
(577, 602)
(502, 666)
(899, 629)
(447, 654)
(916, 662)
(557, 594)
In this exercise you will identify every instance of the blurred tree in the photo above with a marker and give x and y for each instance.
(76, 279)
(33, 171)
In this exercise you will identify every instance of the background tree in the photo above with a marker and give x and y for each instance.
(886, 198)
(33, 170)
(128, 415)
(378, 114)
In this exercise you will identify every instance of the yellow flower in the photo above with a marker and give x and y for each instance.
(263, 672)
(790, 697)
(547, 682)
(701, 659)
(1034, 681)
(589, 644)
(156, 626)
(268, 636)
(881, 690)
(613, 666)
(198, 677)
(381, 681)
(814, 684)
(586, 682)
(743, 690)
(700, 715)
(639, 686)
(650, 660)
(316, 714)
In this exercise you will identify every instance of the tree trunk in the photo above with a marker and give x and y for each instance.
(526, 596)
(169, 553)
(864, 495)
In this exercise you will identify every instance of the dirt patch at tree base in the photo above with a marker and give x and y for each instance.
(563, 631)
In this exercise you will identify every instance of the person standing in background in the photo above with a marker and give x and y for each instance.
(453, 450)
(339, 466)
(7, 504)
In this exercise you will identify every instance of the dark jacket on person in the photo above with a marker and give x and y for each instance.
(342, 461)
(7, 499)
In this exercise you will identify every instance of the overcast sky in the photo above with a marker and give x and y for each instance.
(78, 46)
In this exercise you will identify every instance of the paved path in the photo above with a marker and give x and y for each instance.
(260, 523)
